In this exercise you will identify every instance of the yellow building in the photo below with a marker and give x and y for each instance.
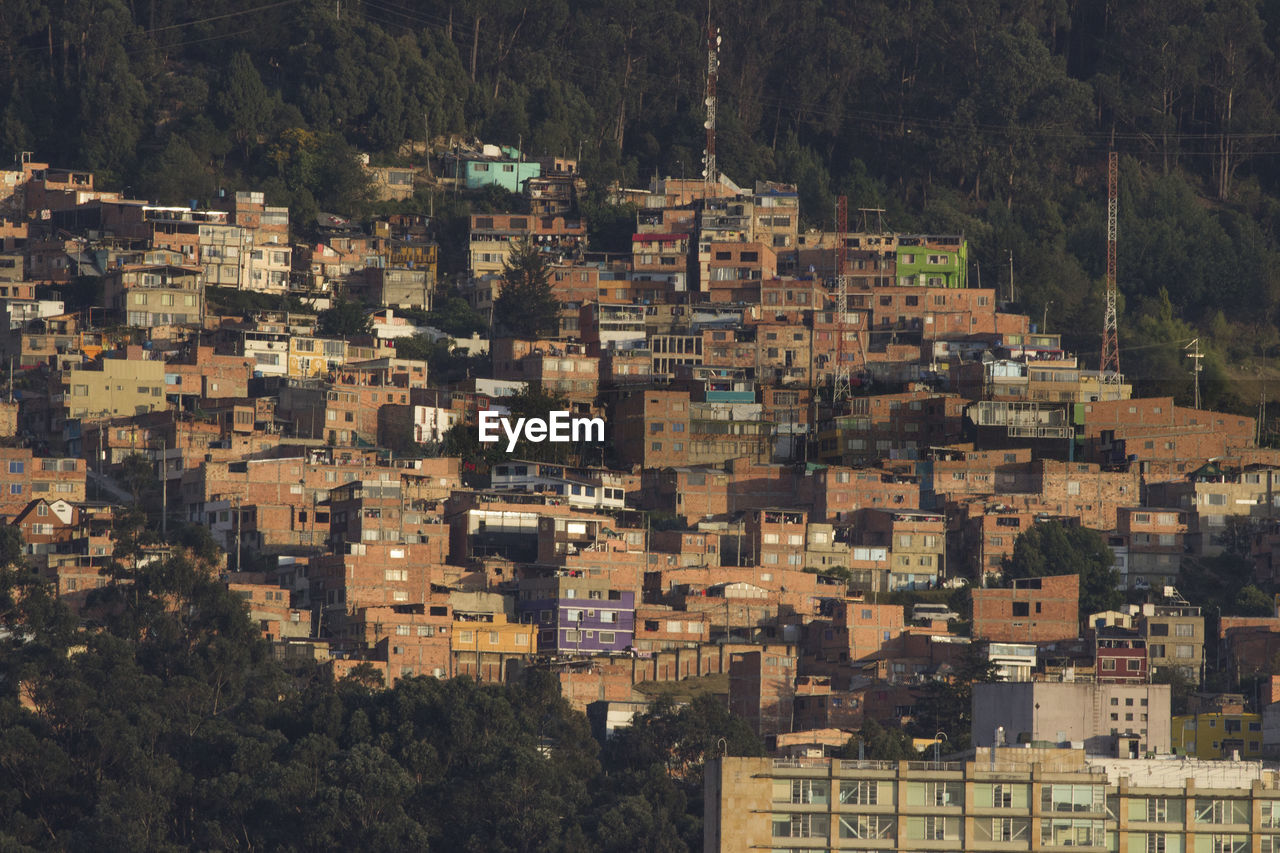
(491, 633)
(1218, 735)
(111, 387)
(487, 647)
(310, 357)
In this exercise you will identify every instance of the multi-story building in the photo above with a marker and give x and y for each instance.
(577, 614)
(1002, 800)
(109, 387)
(155, 295)
(762, 687)
(1154, 542)
(1120, 656)
(1107, 718)
(1218, 736)
(916, 543)
(1174, 633)
(26, 477)
(1032, 610)
(485, 645)
(1212, 494)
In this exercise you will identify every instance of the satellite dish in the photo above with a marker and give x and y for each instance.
(709, 101)
(704, 173)
(707, 124)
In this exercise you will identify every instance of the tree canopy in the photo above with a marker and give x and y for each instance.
(173, 727)
(1053, 548)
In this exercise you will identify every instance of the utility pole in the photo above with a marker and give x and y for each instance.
(238, 553)
(841, 388)
(1011, 299)
(1109, 365)
(1195, 356)
(164, 494)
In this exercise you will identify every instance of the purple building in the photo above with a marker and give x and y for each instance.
(578, 614)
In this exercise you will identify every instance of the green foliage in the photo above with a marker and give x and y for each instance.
(947, 705)
(137, 473)
(526, 306)
(609, 227)
(880, 743)
(172, 728)
(444, 364)
(229, 300)
(999, 134)
(454, 316)
(1052, 548)
(1181, 688)
(654, 772)
(344, 318)
(10, 546)
(1224, 584)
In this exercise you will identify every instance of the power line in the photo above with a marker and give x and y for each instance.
(249, 11)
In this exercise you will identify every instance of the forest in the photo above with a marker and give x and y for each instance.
(991, 118)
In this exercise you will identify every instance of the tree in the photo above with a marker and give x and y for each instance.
(662, 755)
(137, 472)
(526, 306)
(345, 318)
(244, 101)
(454, 316)
(1052, 548)
(947, 704)
(10, 546)
(879, 743)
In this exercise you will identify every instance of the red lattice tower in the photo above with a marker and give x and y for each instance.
(1110, 363)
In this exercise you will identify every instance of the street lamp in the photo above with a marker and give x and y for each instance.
(938, 738)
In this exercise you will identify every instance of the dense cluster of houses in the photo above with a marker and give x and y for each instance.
(740, 521)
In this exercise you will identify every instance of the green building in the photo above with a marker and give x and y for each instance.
(928, 261)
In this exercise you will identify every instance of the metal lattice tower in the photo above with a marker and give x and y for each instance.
(1109, 366)
(709, 174)
(842, 386)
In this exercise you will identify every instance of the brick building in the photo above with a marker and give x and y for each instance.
(1031, 610)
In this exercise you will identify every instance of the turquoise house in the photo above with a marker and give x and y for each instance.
(501, 167)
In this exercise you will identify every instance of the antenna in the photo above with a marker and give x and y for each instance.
(1195, 356)
(1109, 366)
(709, 174)
(841, 386)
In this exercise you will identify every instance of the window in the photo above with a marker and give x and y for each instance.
(797, 791)
(1185, 629)
(1002, 829)
(1071, 798)
(800, 826)
(1221, 811)
(860, 793)
(933, 828)
(868, 826)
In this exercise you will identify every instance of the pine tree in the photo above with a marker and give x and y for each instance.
(526, 307)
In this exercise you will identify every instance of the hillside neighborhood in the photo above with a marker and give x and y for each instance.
(880, 514)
